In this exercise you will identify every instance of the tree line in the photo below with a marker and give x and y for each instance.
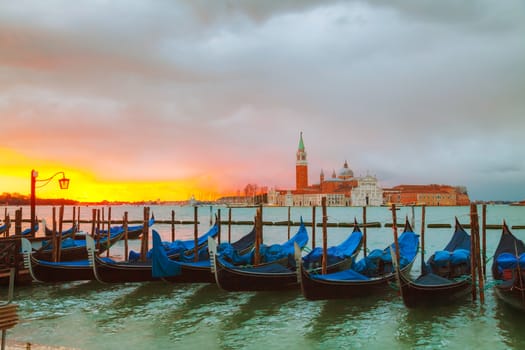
(20, 199)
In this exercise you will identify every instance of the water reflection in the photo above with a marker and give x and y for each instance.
(510, 324)
(357, 321)
(258, 314)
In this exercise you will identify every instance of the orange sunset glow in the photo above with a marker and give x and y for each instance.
(86, 187)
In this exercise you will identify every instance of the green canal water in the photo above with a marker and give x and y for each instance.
(159, 315)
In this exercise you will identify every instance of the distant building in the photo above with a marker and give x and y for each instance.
(432, 195)
(341, 189)
(367, 192)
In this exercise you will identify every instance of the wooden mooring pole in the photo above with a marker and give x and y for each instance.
(125, 226)
(229, 225)
(394, 228)
(173, 225)
(108, 242)
(93, 222)
(196, 233)
(145, 235)
(484, 242)
(219, 223)
(59, 243)
(54, 238)
(479, 267)
(473, 252)
(18, 221)
(257, 256)
(289, 222)
(313, 227)
(325, 238)
(364, 231)
(423, 209)
(98, 229)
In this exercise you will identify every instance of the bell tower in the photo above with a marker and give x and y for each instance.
(301, 166)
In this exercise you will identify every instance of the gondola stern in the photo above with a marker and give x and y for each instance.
(27, 251)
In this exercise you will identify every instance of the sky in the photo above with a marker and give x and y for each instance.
(137, 99)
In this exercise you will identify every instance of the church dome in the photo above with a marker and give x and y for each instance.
(345, 172)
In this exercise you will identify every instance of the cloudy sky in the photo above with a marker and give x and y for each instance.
(211, 95)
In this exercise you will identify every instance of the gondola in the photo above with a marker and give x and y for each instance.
(508, 270)
(445, 277)
(107, 270)
(275, 273)
(27, 231)
(47, 271)
(282, 274)
(72, 249)
(5, 227)
(65, 233)
(339, 257)
(370, 275)
(193, 272)
(181, 249)
(134, 231)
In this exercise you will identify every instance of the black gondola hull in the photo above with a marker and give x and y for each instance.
(314, 289)
(419, 295)
(61, 273)
(511, 294)
(510, 291)
(192, 274)
(123, 272)
(236, 280)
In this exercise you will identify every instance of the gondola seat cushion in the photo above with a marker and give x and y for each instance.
(441, 258)
(506, 261)
(459, 256)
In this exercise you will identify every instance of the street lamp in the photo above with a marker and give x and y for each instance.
(63, 183)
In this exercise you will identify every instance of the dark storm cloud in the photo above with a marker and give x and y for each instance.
(414, 92)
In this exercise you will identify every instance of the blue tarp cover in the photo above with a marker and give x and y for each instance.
(431, 279)
(280, 251)
(227, 252)
(180, 246)
(161, 265)
(268, 254)
(458, 256)
(510, 261)
(408, 245)
(346, 275)
(336, 253)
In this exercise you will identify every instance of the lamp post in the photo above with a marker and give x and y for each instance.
(63, 183)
